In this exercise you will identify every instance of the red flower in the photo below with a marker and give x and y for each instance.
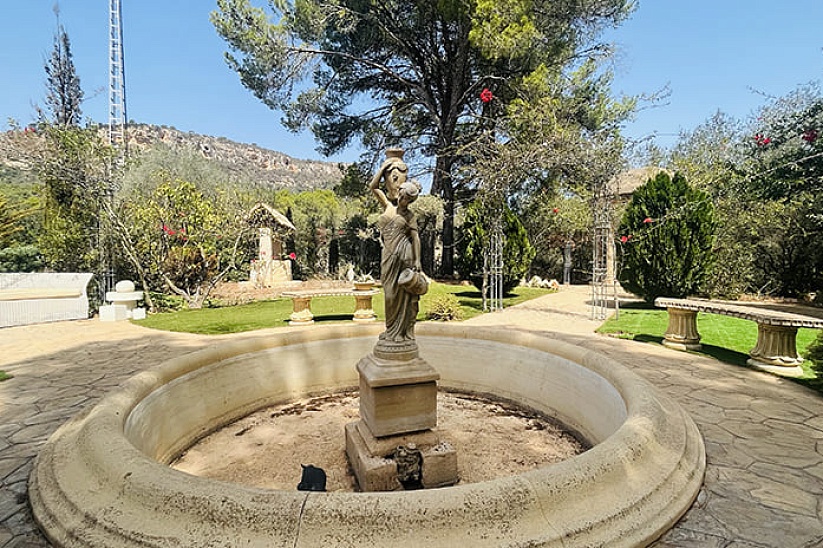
(556, 210)
(761, 141)
(292, 255)
(623, 239)
(810, 136)
(486, 95)
(648, 220)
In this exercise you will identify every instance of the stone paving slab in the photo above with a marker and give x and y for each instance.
(764, 435)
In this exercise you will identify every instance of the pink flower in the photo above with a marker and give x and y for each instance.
(648, 220)
(624, 239)
(292, 255)
(486, 95)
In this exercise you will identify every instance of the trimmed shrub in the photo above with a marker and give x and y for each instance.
(20, 258)
(666, 238)
(444, 308)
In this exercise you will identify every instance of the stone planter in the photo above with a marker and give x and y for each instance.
(363, 286)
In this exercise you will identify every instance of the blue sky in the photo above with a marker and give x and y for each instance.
(713, 55)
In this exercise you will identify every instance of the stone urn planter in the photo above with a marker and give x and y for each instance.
(364, 286)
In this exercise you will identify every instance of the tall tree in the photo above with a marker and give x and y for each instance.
(73, 170)
(404, 73)
(63, 92)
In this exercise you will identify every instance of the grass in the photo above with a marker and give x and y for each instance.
(724, 338)
(4, 376)
(275, 313)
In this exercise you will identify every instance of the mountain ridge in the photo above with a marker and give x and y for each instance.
(261, 165)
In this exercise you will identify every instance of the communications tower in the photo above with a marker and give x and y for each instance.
(117, 80)
(117, 140)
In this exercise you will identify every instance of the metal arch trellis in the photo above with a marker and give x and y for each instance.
(493, 262)
(492, 207)
(604, 285)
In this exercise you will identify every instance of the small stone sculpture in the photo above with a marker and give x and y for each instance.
(409, 462)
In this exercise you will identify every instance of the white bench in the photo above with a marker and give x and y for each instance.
(776, 347)
(301, 304)
(35, 297)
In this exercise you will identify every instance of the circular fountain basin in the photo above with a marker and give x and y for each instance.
(102, 479)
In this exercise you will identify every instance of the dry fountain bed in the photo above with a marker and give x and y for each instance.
(493, 439)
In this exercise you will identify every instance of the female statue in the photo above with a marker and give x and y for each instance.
(400, 269)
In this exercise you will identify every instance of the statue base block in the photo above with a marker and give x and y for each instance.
(376, 465)
(397, 397)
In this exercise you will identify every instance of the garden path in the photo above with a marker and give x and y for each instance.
(764, 434)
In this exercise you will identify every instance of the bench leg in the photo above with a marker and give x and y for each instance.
(776, 350)
(681, 334)
(301, 311)
(363, 312)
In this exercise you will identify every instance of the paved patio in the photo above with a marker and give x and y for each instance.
(764, 435)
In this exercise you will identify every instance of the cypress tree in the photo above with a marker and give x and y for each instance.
(63, 93)
(666, 238)
(518, 252)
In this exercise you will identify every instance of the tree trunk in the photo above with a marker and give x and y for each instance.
(443, 187)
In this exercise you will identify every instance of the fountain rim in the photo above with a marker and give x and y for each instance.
(101, 429)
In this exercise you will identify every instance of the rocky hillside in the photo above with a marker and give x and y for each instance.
(259, 165)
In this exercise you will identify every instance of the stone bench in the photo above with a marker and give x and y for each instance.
(36, 297)
(301, 304)
(776, 347)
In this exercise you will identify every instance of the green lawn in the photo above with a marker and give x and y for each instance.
(724, 338)
(275, 313)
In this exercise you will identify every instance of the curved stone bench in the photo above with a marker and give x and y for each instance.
(776, 347)
(301, 304)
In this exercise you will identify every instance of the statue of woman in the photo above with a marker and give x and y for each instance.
(400, 269)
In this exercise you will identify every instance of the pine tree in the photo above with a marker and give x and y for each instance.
(63, 93)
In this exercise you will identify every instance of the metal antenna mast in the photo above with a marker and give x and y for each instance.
(117, 140)
(117, 80)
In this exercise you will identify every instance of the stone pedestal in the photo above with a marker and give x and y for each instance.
(397, 397)
(301, 311)
(363, 311)
(113, 313)
(398, 417)
(374, 460)
(682, 333)
(776, 350)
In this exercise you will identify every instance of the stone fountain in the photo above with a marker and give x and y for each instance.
(103, 479)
